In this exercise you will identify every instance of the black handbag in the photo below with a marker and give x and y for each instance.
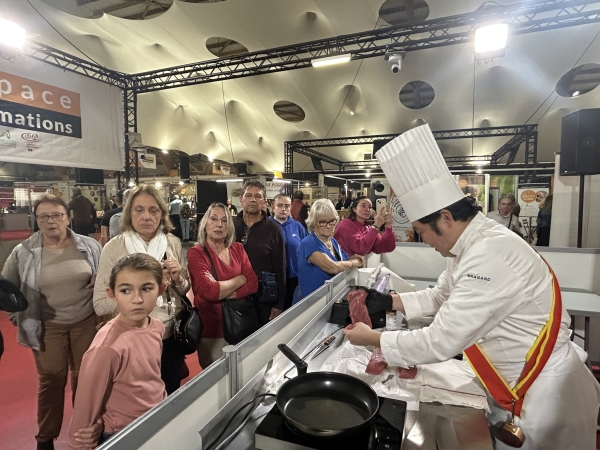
(240, 319)
(187, 328)
(268, 292)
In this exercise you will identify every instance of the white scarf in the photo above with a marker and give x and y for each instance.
(157, 247)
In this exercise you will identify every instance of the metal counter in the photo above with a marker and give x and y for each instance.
(469, 424)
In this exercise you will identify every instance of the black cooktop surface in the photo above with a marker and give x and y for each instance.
(385, 432)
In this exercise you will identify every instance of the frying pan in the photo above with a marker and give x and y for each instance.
(325, 404)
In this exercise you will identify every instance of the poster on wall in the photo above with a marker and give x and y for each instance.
(475, 186)
(275, 188)
(400, 223)
(53, 117)
(530, 199)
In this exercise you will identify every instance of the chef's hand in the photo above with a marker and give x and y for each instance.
(376, 301)
(361, 334)
(91, 435)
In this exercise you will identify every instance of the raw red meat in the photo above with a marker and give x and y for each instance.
(358, 308)
(408, 374)
(376, 363)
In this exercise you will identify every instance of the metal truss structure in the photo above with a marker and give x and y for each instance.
(527, 17)
(520, 134)
(522, 18)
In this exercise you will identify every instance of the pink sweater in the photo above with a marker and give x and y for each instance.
(358, 239)
(119, 379)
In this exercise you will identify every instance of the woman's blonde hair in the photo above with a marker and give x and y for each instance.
(321, 209)
(126, 223)
(229, 237)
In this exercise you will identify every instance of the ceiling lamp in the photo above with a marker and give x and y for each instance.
(228, 180)
(11, 34)
(491, 38)
(333, 59)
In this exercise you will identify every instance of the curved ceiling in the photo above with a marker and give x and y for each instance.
(235, 120)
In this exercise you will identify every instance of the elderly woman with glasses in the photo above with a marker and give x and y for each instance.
(219, 269)
(320, 257)
(55, 269)
(146, 229)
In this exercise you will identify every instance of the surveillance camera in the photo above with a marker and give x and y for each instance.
(142, 157)
(395, 58)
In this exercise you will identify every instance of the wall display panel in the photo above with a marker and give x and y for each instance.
(53, 117)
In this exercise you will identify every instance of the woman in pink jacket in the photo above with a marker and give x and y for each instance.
(358, 237)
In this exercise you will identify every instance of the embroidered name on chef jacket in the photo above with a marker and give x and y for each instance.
(478, 277)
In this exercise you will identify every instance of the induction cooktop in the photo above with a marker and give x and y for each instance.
(384, 433)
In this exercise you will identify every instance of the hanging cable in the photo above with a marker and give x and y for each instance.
(227, 122)
(63, 36)
(554, 90)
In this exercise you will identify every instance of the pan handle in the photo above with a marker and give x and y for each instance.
(301, 365)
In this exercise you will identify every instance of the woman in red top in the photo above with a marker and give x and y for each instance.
(236, 278)
(358, 238)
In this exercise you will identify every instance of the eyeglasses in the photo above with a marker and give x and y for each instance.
(325, 223)
(55, 217)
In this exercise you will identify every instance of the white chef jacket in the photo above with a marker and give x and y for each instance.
(497, 291)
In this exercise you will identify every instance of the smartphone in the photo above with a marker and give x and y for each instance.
(380, 203)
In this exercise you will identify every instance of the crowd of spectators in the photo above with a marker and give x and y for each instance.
(87, 300)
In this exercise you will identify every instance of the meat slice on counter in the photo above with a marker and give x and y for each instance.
(377, 363)
(407, 374)
(358, 307)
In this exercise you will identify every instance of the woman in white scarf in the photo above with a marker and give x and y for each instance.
(146, 226)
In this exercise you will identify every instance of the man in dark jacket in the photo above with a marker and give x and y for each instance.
(11, 300)
(83, 213)
(264, 244)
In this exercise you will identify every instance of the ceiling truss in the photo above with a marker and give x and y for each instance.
(526, 17)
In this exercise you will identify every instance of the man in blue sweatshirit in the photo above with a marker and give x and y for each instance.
(293, 233)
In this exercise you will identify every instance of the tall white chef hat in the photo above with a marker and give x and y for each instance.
(416, 170)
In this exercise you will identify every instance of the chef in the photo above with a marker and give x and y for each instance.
(497, 300)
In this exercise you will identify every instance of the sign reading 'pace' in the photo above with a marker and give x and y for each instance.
(31, 105)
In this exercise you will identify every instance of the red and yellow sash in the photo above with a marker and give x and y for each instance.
(536, 359)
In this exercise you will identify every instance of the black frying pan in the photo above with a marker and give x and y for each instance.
(325, 404)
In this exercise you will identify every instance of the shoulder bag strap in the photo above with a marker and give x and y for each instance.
(212, 265)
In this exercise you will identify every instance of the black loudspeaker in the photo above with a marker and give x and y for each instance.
(580, 143)
(208, 192)
(184, 167)
(317, 164)
(89, 176)
(378, 144)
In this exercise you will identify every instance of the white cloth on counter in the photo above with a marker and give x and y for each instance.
(450, 382)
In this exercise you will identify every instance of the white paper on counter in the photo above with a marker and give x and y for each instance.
(450, 382)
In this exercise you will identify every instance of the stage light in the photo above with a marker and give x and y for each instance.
(491, 38)
(11, 34)
(329, 60)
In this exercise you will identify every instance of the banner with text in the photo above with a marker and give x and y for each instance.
(53, 117)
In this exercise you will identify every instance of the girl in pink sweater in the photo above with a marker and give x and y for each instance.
(119, 378)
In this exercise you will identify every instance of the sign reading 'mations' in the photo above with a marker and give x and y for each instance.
(35, 106)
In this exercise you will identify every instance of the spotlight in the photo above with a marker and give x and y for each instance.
(11, 35)
(329, 60)
(166, 152)
(490, 41)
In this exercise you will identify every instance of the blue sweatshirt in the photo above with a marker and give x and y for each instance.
(293, 233)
